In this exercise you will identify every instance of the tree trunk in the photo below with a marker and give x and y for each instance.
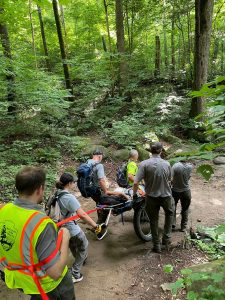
(62, 45)
(64, 26)
(128, 26)
(11, 96)
(132, 28)
(189, 42)
(44, 39)
(164, 36)
(121, 45)
(157, 56)
(107, 25)
(32, 33)
(203, 28)
(104, 44)
(173, 60)
(183, 56)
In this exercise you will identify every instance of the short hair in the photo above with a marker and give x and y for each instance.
(29, 179)
(97, 152)
(156, 148)
(133, 152)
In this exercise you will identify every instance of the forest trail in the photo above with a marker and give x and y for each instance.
(122, 267)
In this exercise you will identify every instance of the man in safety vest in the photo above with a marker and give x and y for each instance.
(33, 254)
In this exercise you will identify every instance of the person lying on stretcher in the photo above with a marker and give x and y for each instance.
(120, 204)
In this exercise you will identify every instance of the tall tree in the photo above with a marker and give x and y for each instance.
(164, 36)
(203, 28)
(62, 45)
(44, 39)
(173, 59)
(157, 56)
(107, 24)
(11, 96)
(32, 32)
(121, 44)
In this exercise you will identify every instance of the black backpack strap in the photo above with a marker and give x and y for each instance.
(58, 198)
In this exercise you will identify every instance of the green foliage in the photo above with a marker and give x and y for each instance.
(206, 171)
(168, 269)
(44, 155)
(127, 131)
(213, 289)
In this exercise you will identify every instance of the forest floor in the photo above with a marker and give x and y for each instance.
(122, 267)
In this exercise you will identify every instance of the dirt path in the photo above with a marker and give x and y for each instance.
(122, 267)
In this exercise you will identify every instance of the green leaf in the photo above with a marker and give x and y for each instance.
(192, 296)
(217, 277)
(175, 286)
(206, 171)
(186, 272)
(168, 268)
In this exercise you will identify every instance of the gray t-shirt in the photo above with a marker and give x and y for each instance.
(98, 171)
(156, 173)
(46, 243)
(181, 173)
(69, 204)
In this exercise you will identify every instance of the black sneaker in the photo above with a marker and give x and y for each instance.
(156, 250)
(166, 244)
(76, 278)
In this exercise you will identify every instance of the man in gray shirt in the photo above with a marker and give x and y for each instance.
(181, 173)
(156, 173)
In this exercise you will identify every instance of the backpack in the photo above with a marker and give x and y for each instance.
(52, 208)
(85, 180)
(121, 176)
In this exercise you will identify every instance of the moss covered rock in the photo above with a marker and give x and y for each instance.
(209, 274)
(120, 155)
(143, 154)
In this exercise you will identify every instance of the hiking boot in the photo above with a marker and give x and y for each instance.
(166, 244)
(173, 227)
(156, 249)
(77, 278)
(183, 229)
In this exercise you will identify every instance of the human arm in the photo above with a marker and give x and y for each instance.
(46, 245)
(57, 269)
(138, 177)
(135, 187)
(103, 186)
(85, 217)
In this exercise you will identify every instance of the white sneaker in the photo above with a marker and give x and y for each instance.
(76, 279)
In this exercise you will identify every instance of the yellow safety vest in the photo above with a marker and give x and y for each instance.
(20, 229)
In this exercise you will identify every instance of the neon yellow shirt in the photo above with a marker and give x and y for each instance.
(132, 170)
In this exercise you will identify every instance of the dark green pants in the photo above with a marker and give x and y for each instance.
(64, 291)
(185, 201)
(153, 205)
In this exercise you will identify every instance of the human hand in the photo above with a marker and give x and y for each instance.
(101, 231)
